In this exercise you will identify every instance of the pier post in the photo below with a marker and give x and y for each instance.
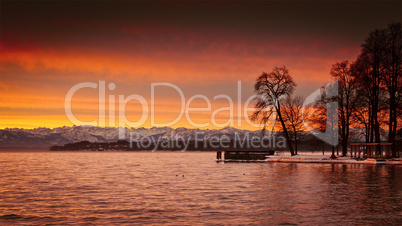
(219, 155)
(359, 151)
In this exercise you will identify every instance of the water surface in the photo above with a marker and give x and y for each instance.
(191, 188)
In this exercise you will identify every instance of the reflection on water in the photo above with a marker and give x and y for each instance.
(175, 187)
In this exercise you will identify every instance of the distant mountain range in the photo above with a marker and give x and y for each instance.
(45, 137)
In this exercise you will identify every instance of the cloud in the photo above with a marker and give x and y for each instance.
(203, 47)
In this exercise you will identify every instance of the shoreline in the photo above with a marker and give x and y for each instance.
(339, 160)
(323, 159)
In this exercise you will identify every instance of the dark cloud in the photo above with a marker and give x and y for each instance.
(46, 47)
(79, 23)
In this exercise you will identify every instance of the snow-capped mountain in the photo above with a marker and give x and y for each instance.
(44, 137)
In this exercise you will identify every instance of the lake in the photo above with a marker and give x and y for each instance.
(191, 188)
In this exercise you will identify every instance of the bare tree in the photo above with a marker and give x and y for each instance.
(323, 119)
(378, 71)
(363, 113)
(361, 117)
(269, 87)
(372, 58)
(393, 78)
(347, 98)
(292, 115)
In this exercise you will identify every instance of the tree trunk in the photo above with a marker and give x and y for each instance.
(394, 134)
(333, 152)
(377, 132)
(344, 147)
(295, 142)
(392, 125)
(285, 132)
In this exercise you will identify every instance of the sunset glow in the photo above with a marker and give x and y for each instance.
(45, 52)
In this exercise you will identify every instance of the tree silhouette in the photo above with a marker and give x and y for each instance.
(292, 115)
(373, 55)
(324, 118)
(393, 78)
(347, 98)
(269, 87)
(378, 72)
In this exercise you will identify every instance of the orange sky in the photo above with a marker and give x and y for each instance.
(202, 48)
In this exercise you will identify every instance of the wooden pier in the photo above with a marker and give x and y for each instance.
(371, 150)
(243, 155)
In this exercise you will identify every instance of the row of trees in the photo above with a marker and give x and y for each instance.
(369, 94)
(370, 88)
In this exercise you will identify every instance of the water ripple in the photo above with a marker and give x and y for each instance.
(190, 188)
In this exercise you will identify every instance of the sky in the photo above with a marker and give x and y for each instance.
(159, 61)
